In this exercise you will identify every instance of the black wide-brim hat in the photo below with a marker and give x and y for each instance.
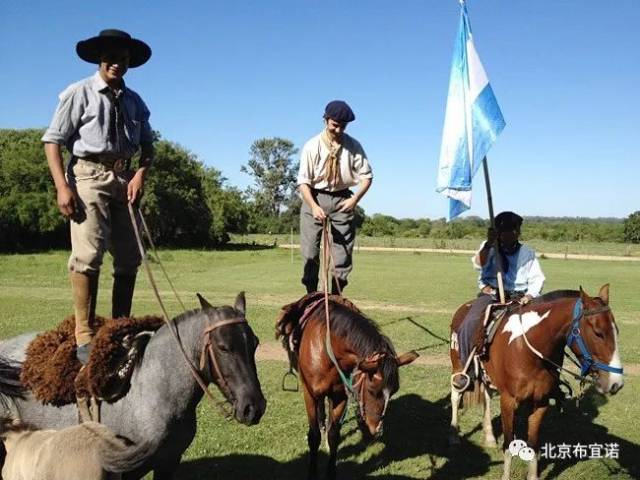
(89, 50)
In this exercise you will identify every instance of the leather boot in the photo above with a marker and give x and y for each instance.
(85, 293)
(122, 295)
(334, 286)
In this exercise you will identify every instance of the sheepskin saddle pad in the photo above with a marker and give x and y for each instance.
(55, 376)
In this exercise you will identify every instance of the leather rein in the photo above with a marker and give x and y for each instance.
(219, 379)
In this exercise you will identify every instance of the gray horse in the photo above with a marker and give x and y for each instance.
(161, 405)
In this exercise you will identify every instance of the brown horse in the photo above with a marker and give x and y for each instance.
(368, 368)
(514, 366)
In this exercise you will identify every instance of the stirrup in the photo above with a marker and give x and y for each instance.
(467, 379)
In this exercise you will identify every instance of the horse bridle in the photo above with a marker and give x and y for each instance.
(207, 351)
(587, 362)
(358, 390)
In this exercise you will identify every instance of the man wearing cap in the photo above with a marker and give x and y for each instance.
(102, 123)
(523, 279)
(331, 163)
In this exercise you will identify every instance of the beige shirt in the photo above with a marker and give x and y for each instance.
(354, 165)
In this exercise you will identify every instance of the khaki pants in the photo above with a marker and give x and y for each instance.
(102, 220)
(342, 230)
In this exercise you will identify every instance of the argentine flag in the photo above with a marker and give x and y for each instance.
(472, 121)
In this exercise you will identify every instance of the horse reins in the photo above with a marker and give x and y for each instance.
(208, 347)
(354, 390)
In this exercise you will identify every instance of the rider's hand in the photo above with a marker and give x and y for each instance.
(348, 204)
(488, 290)
(66, 201)
(135, 188)
(318, 213)
(525, 299)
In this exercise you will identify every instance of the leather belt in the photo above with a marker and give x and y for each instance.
(108, 162)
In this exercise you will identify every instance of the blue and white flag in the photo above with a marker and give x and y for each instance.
(472, 122)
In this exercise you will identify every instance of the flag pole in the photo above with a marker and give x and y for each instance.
(499, 273)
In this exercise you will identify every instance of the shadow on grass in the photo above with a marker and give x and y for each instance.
(245, 247)
(574, 425)
(414, 428)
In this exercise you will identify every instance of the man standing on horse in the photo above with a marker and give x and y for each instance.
(330, 164)
(102, 123)
(523, 279)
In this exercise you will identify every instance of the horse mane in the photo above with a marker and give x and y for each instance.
(187, 315)
(365, 338)
(290, 315)
(10, 384)
(9, 425)
(555, 295)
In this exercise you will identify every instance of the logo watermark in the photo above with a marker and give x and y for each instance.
(565, 451)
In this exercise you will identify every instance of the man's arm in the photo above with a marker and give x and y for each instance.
(307, 196)
(483, 254)
(65, 197)
(349, 204)
(135, 188)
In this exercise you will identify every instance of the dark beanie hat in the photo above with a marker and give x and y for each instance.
(339, 111)
(508, 221)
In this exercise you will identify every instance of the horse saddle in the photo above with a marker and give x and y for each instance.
(55, 376)
(293, 317)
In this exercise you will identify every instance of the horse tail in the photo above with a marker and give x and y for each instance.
(118, 454)
(475, 396)
(10, 384)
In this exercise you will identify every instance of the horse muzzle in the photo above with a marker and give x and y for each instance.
(249, 411)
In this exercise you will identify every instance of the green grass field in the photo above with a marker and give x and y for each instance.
(541, 246)
(412, 297)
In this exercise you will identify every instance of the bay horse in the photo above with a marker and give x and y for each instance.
(365, 368)
(525, 380)
(160, 407)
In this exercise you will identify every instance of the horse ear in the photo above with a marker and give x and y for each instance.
(241, 303)
(604, 293)
(407, 358)
(203, 302)
(583, 294)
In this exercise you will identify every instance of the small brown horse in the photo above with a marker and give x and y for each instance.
(523, 379)
(367, 361)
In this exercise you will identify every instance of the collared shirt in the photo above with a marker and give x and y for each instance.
(354, 165)
(524, 274)
(86, 118)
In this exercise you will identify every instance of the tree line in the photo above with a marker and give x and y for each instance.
(191, 205)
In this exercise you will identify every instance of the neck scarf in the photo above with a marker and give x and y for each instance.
(332, 175)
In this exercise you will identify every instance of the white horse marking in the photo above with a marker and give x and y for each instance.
(520, 324)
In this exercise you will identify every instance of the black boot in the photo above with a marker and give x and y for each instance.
(311, 288)
(122, 295)
(337, 288)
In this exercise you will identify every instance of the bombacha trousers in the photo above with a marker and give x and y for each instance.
(101, 222)
(342, 230)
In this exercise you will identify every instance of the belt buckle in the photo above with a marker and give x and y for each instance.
(118, 165)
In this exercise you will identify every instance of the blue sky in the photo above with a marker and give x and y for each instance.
(223, 74)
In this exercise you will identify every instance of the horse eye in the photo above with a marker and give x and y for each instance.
(599, 334)
(223, 348)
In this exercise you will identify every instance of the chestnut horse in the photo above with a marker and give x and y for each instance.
(365, 368)
(523, 360)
